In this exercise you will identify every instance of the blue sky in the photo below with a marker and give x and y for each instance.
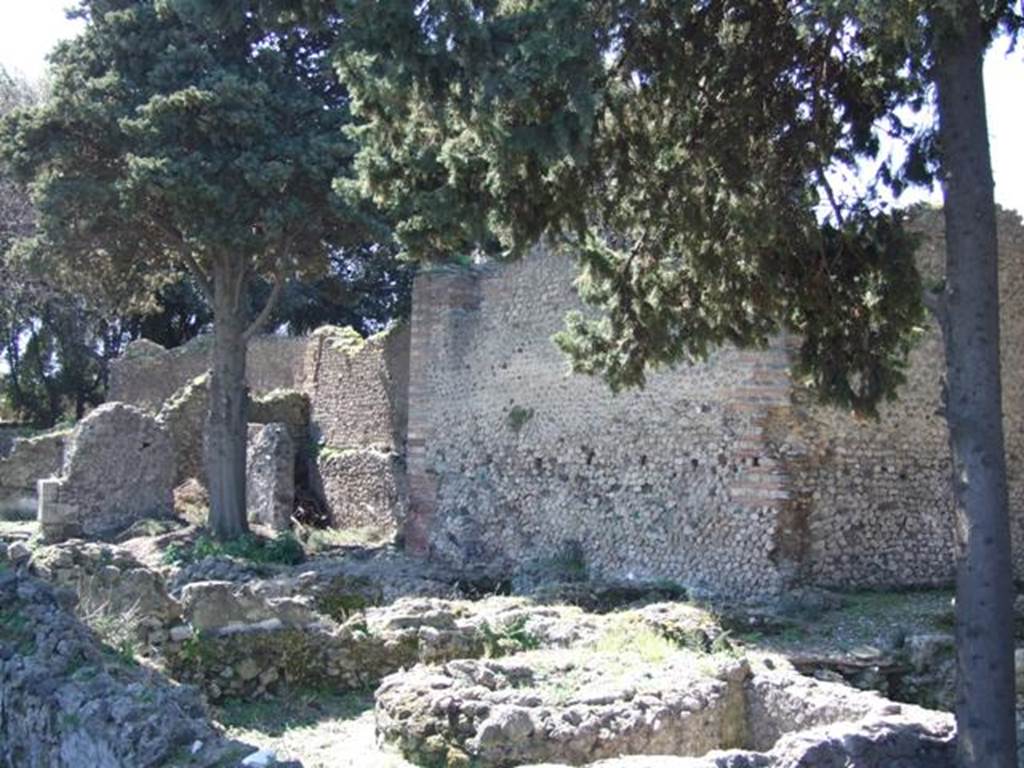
(30, 28)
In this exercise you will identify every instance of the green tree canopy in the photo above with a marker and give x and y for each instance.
(679, 150)
(682, 151)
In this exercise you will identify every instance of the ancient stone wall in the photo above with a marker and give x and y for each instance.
(724, 476)
(512, 459)
(878, 492)
(147, 374)
(357, 391)
(119, 467)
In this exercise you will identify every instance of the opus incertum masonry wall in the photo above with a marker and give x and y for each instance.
(725, 477)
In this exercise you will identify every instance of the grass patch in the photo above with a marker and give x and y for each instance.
(639, 639)
(324, 539)
(283, 548)
(117, 629)
(341, 606)
(518, 418)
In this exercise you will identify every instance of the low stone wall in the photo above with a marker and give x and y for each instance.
(29, 460)
(551, 707)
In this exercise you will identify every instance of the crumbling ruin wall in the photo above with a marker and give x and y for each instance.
(724, 476)
(119, 467)
(359, 394)
(30, 459)
(147, 375)
(357, 411)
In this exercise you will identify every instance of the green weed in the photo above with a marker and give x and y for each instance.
(283, 548)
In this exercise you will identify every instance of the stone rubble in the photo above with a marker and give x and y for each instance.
(66, 701)
(29, 459)
(497, 681)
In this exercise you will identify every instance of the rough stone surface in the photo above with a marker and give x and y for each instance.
(552, 706)
(333, 635)
(283, 406)
(147, 375)
(224, 606)
(27, 461)
(514, 711)
(270, 476)
(724, 477)
(365, 488)
(877, 494)
(359, 399)
(496, 681)
(337, 392)
(119, 467)
(66, 702)
(184, 416)
(357, 388)
(889, 741)
(108, 579)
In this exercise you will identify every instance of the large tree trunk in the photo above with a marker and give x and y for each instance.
(227, 424)
(970, 319)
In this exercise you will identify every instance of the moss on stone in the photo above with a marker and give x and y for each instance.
(342, 338)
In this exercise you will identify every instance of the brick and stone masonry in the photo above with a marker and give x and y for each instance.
(465, 431)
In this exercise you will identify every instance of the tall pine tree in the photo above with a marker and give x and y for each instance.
(169, 144)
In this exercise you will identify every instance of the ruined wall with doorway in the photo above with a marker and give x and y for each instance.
(352, 455)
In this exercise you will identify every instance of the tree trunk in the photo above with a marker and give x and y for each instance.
(969, 314)
(227, 424)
